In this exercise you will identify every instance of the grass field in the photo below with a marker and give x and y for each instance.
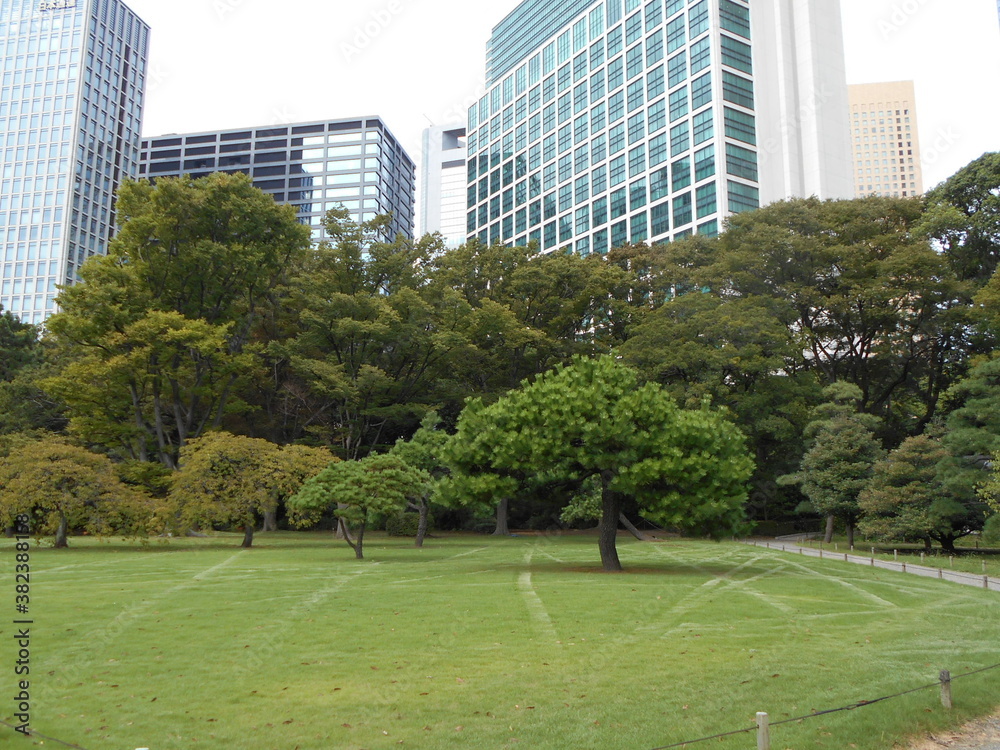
(475, 642)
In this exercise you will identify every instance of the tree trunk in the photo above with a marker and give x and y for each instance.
(829, 530)
(9, 532)
(270, 520)
(642, 537)
(359, 541)
(61, 532)
(948, 544)
(342, 532)
(502, 510)
(850, 534)
(247, 536)
(424, 511)
(607, 530)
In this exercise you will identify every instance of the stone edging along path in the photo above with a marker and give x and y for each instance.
(966, 579)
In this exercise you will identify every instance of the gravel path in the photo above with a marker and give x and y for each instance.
(977, 735)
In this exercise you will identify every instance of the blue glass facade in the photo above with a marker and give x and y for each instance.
(70, 116)
(356, 164)
(634, 121)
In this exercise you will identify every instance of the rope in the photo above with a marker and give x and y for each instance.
(851, 707)
(33, 733)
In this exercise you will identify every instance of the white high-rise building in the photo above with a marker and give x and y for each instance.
(803, 128)
(72, 75)
(442, 183)
(614, 121)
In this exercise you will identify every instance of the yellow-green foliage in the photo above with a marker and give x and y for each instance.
(53, 481)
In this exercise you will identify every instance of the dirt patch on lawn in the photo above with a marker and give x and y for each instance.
(983, 734)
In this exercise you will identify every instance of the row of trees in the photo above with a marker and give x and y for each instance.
(212, 311)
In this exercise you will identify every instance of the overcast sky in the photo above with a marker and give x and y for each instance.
(238, 63)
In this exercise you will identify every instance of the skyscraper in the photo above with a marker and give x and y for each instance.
(801, 85)
(886, 140)
(613, 121)
(71, 99)
(442, 183)
(355, 163)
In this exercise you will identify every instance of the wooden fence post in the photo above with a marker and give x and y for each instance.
(946, 688)
(763, 731)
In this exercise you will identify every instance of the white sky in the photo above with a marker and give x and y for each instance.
(239, 63)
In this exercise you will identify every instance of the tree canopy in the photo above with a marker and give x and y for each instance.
(593, 418)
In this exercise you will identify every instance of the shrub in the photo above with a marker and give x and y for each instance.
(402, 524)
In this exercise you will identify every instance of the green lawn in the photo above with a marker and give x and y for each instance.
(475, 642)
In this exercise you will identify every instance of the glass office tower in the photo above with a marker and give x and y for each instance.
(626, 121)
(71, 100)
(355, 163)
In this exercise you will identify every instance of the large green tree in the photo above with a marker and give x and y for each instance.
(905, 499)
(972, 432)
(863, 294)
(685, 468)
(839, 461)
(963, 216)
(743, 354)
(160, 337)
(376, 341)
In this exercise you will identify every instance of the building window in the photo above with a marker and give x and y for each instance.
(740, 125)
(736, 54)
(743, 197)
(681, 170)
(680, 138)
(705, 197)
(702, 126)
(682, 209)
(704, 163)
(701, 91)
(741, 162)
(735, 18)
(737, 89)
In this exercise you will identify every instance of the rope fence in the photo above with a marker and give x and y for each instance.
(966, 579)
(763, 724)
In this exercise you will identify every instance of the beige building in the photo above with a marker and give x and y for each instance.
(885, 139)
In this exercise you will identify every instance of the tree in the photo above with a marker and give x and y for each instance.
(839, 462)
(354, 490)
(19, 345)
(905, 499)
(972, 433)
(62, 486)
(963, 216)
(424, 451)
(160, 337)
(687, 469)
(475, 478)
(872, 303)
(231, 479)
(377, 342)
(742, 354)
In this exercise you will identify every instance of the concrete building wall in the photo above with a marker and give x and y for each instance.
(802, 110)
(441, 197)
